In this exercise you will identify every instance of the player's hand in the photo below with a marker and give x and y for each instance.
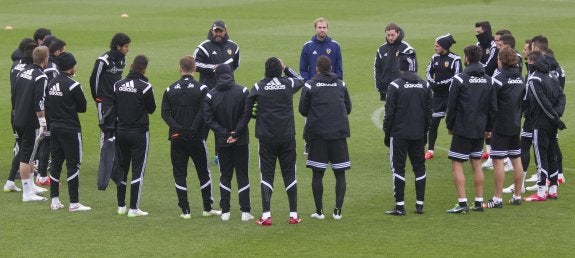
(386, 140)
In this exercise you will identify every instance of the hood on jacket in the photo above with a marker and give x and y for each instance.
(541, 63)
(475, 69)
(225, 79)
(409, 76)
(326, 77)
(510, 72)
(316, 40)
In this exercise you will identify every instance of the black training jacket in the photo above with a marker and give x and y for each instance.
(210, 53)
(326, 104)
(224, 107)
(510, 90)
(385, 68)
(440, 70)
(107, 71)
(64, 100)
(546, 98)
(408, 107)
(134, 100)
(472, 103)
(28, 96)
(182, 107)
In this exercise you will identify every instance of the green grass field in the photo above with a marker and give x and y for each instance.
(167, 30)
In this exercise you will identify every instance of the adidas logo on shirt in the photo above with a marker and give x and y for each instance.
(314, 53)
(274, 85)
(128, 87)
(214, 53)
(26, 74)
(55, 90)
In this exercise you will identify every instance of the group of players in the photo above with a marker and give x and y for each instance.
(476, 102)
(484, 101)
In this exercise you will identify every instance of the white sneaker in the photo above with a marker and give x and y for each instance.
(532, 188)
(56, 206)
(507, 166)
(33, 198)
(39, 190)
(132, 213)
(211, 213)
(246, 216)
(225, 216)
(488, 164)
(122, 210)
(338, 217)
(511, 189)
(78, 207)
(318, 216)
(10, 186)
(533, 178)
(186, 216)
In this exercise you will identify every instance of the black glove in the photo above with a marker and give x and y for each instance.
(386, 139)
(558, 123)
(382, 95)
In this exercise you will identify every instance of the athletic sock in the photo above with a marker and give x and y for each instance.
(340, 187)
(497, 200)
(553, 189)
(317, 188)
(293, 214)
(462, 202)
(266, 214)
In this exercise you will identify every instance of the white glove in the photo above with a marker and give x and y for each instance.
(42, 122)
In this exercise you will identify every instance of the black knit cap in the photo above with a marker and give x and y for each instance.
(273, 67)
(445, 41)
(65, 61)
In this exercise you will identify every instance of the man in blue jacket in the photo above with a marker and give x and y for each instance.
(320, 45)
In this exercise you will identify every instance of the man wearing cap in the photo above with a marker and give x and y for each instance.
(407, 117)
(275, 129)
(64, 100)
(443, 66)
(224, 108)
(217, 49)
(385, 67)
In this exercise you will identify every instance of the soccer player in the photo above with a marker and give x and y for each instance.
(443, 66)
(217, 49)
(38, 37)
(275, 128)
(406, 122)
(28, 107)
(56, 47)
(107, 71)
(385, 68)
(182, 111)
(224, 107)
(547, 104)
(64, 100)
(505, 137)
(326, 104)
(470, 112)
(20, 62)
(320, 44)
(133, 99)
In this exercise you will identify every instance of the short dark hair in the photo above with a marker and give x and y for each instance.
(24, 42)
(28, 49)
(473, 53)
(41, 33)
(485, 25)
(502, 32)
(540, 41)
(273, 67)
(56, 45)
(323, 64)
(508, 39)
(507, 57)
(188, 64)
(119, 40)
(140, 64)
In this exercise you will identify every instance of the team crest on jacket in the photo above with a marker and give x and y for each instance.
(328, 51)
(229, 52)
(446, 64)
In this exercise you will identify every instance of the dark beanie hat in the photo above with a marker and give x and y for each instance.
(65, 61)
(406, 60)
(445, 41)
(223, 69)
(273, 67)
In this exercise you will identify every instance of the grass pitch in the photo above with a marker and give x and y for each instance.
(167, 30)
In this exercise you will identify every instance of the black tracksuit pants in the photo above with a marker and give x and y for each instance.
(181, 150)
(132, 148)
(65, 146)
(400, 150)
(545, 147)
(234, 157)
(285, 152)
